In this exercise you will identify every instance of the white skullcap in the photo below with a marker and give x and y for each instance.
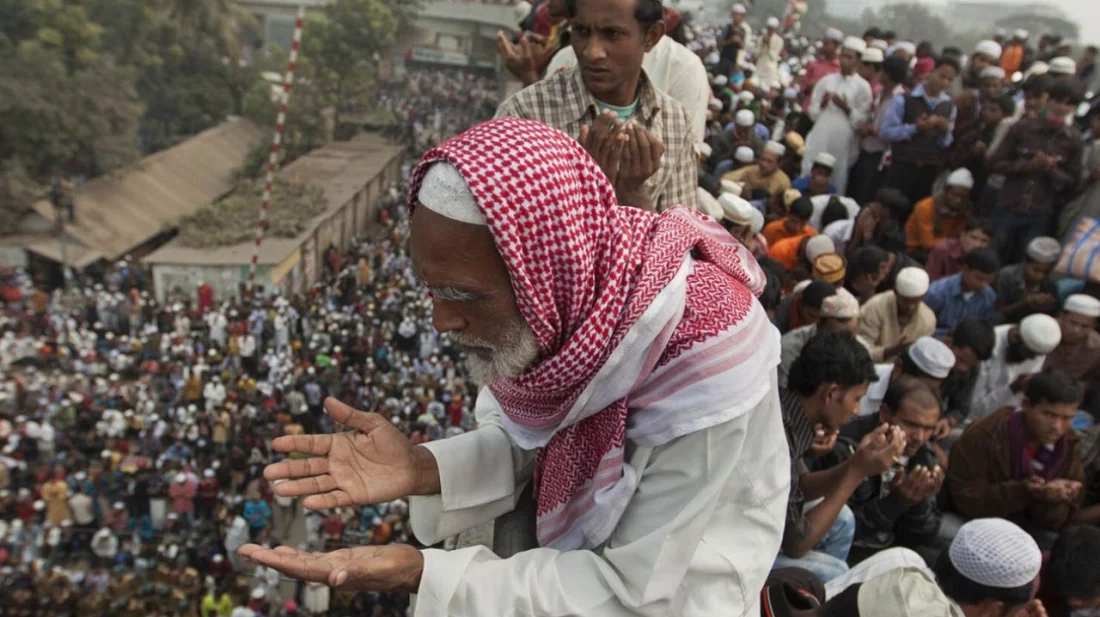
(932, 356)
(1001, 32)
(775, 148)
(995, 553)
(879, 44)
(744, 154)
(841, 305)
(757, 221)
(988, 48)
(1040, 333)
(444, 192)
(703, 149)
(1062, 65)
(181, 477)
(825, 159)
(833, 34)
(746, 96)
(714, 104)
(1020, 34)
(772, 22)
(994, 72)
(258, 593)
(745, 118)
(748, 66)
(873, 55)
(790, 93)
(1044, 250)
(906, 46)
(721, 80)
(961, 178)
(739, 8)
(208, 473)
(1082, 305)
(729, 186)
(819, 245)
(735, 209)
(801, 285)
(912, 282)
(856, 44)
(1036, 68)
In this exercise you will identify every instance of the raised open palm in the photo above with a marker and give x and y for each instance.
(372, 463)
(391, 567)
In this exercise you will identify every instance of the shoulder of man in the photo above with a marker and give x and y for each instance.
(550, 90)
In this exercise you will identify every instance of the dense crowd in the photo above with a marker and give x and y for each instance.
(431, 104)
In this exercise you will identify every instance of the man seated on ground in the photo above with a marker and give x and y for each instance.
(1078, 355)
(949, 256)
(802, 306)
(880, 222)
(799, 255)
(1070, 583)
(839, 313)
(825, 385)
(966, 294)
(940, 216)
(765, 174)
(866, 270)
(990, 570)
(928, 360)
(897, 507)
(893, 319)
(1021, 463)
(794, 225)
(612, 107)
(820, 180)
(725, 143)
(971, 342)
(1028, 287)
(1019, 352)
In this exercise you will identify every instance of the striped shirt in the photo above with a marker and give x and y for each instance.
(800, 436)
(563, 102)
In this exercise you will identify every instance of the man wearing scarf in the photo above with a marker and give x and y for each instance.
(630, 376)
(1021, 464)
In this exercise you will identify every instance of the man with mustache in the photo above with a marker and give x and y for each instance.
(578, 313)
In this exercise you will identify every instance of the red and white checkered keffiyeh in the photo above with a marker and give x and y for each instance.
(637, 316)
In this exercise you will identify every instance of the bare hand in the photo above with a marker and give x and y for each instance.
(824, 441)
(920, 484)
(941, 123)
(641, 158)
(826, 99)
(1064, 491)
(1042, 301)
(605, 141)
(1043, 162)
(890, 352)
(842, 104)
(1044, 491)
(943, 428)
(924, 122)
(1035, 609)
(521, 58)
(387, 568)
(370, 464)
(879, 450)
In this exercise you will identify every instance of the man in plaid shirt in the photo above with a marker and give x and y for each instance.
(640, 136)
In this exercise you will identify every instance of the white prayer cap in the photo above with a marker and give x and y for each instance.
(444, 192)
(757, 221)
(803, 284)
(995, 553)
(1062, 65)
(790, 93)
(746, 96)
(729, 186)
(1040, 333)
(703, 149)
(1036, 68)
(988, 48)
(819, 245)
(208, 473)
(181, 477)
(258, 593)
(1044, 250)
(825, 160)
(772, 22)
(906, 46)
(873, 55)
(745, 117)
(832, 34)
(775, 148)
(932, 356)
(744, 154)
(1020, 34)
(739, 8)
(961, 178)
(1000, 32)
(715, 104)
(855, 44)
(1083, 305)
(879, 44)
(841, 305)
(748, 66)
(721, 80)
(735, 209)
(994, 72)
(912, 282)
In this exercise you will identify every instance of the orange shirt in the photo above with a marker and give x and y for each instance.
(920, 229)
(786, 251)
(776, 231)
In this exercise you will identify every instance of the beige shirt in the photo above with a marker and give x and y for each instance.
(774, 184)
(878, 324)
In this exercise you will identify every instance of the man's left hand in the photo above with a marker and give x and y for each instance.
(841, 104)
(640, 159)
(387, 568)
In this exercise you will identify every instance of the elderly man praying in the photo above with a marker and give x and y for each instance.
(631, 381)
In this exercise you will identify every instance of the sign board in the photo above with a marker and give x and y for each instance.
(442, 56)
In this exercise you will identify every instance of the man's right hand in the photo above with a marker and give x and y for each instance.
(1043, 162)
(919, 485)
(943, 428)
(924, 122)
(879, 450)
(372, 463)
(521, 58)
(605, 140)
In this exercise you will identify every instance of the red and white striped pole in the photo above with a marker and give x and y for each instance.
(276, 144)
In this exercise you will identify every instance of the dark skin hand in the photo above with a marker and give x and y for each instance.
(387, 568)
(628, 155)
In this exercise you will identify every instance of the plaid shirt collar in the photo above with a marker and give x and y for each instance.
(583, 105)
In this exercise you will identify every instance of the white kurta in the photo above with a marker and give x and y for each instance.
(992, 390)
(697, 539)
(834, 131)
(767, 55)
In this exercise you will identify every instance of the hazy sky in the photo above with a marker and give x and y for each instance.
(1084, 12)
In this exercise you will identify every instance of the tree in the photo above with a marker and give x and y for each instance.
(221, 20)
(1045, 24)
(916, 21)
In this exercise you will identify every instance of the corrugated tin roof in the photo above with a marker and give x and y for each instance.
(117, 212)
(340, 169)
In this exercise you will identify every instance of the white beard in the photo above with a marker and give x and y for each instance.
(516, 351)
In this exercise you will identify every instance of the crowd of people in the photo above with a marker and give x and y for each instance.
(937, 372)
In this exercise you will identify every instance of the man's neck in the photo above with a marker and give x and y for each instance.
(811, 408)
(624, 97)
